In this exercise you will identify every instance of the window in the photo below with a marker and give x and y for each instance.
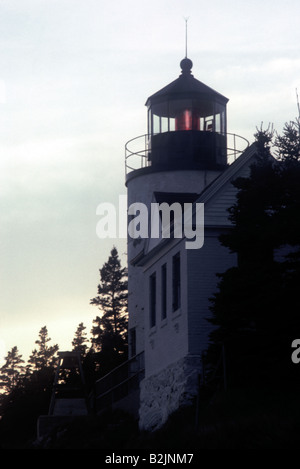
(176, 281)
(164, 291)
(156, 124)
(132, 341)
(164, 124)
(152, 299)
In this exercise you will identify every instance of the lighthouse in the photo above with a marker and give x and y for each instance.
(185, 160)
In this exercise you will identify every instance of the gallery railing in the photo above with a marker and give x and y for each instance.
(138, 150)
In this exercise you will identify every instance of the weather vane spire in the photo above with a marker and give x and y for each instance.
(186, 31)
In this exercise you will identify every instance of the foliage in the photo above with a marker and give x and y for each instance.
(12, 370)
(44, 356)
(21, 407)
(288, 144)
(255, 310)
(80, 339)
(26, 389)
(109, 335)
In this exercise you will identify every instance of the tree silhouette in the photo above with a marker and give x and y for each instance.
(44, 356)
(288, 144)
(28, 391)
(109, 335)
(80, 339)
(255, 309)
(12, 370)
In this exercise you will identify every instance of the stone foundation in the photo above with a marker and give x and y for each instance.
(163, 393)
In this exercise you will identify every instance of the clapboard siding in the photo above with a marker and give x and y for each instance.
(216, 209)
(203, 266)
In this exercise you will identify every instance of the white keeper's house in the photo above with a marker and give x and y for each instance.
(186, 157)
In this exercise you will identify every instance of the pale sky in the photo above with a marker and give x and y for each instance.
(74, 79)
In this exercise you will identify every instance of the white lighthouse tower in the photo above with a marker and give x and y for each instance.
(183, 159)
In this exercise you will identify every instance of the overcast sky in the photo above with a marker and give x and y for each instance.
(74, 78)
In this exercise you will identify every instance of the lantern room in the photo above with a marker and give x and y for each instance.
(187, 123)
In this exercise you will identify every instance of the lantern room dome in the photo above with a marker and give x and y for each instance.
(186, 86)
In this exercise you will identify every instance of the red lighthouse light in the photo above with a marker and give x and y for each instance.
(187, 119)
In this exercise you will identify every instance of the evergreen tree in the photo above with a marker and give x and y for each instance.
(255, 309)
(12, 370)
(80, 339)
(44, 356)
(109, 335)
(288, 144)
(29, 391)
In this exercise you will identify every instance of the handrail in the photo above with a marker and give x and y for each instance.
(113, 388)
(122, 365)
(113, 381)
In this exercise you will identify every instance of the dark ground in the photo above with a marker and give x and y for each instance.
(237, 419)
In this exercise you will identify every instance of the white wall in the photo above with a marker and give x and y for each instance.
(141, 189)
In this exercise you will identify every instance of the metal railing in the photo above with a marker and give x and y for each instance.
(137, 150)
(119, 383)
(236, 144)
